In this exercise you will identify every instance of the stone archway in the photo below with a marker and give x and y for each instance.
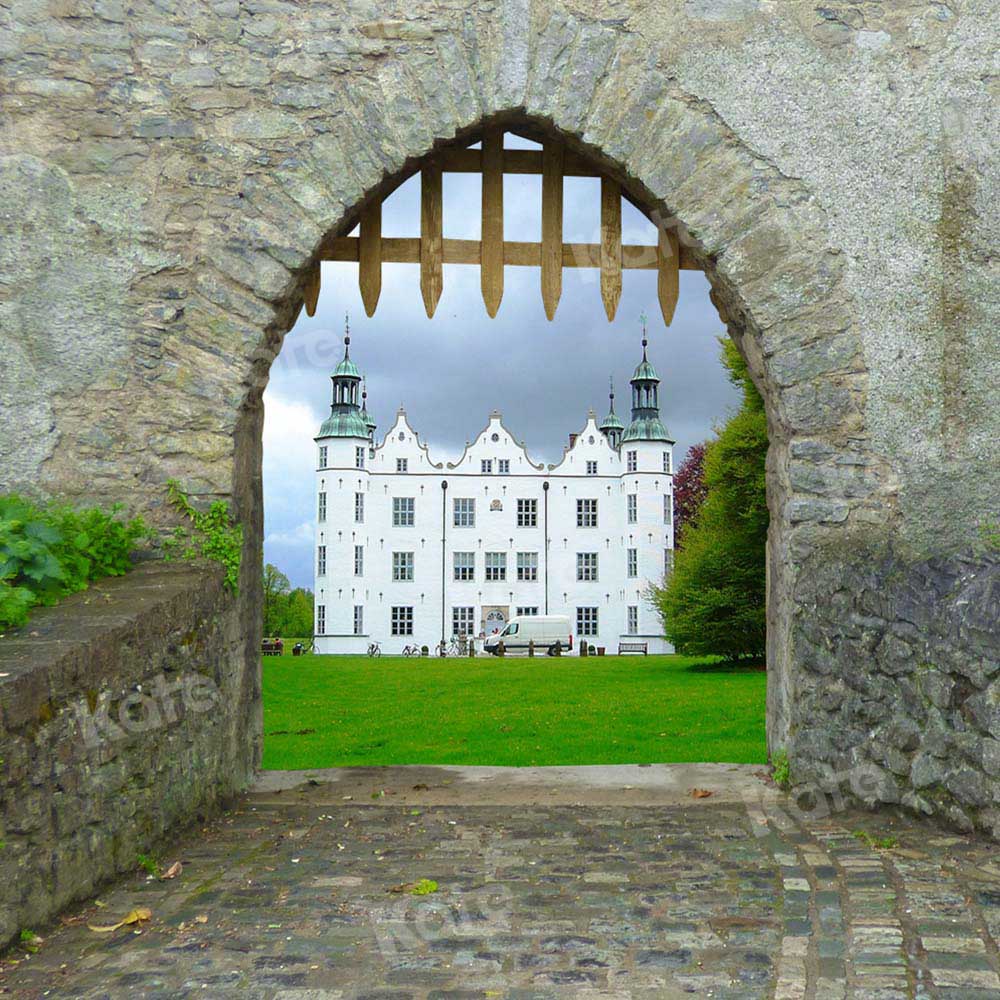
(194, 197)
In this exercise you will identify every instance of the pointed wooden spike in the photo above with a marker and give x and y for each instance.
(310, 292)
(491, 259)
(431, 276)
(611, 245)
(668, 277)
(370, 256)
(552, 225)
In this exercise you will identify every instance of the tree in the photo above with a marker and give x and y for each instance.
(713, 601)
(689, 491)
(276, 588)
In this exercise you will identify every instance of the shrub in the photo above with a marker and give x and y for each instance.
(49, 552)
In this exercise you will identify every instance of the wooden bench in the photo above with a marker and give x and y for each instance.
(633, 647)
(272, 647)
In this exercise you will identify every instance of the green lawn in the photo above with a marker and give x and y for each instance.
(330, 711)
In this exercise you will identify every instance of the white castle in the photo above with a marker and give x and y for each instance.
(410, 551)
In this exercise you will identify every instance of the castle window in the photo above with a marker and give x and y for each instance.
(463, 621)
(322, 456)
(403, 509)
(527, 566)
(359, 508)
(503, 466)
(496, 566)
(402, 464)
(586, 566)
(632, 624)
(631, 505)
(668, 509)
(401, 621)
(527, 513)
(321, 511)
(321, 619)
(486, 466)
(465, 565)
(633, 562)
(586, 513)
(591, 468)
(321, 560)
(402, 567)
(666, 462)
(526, 612)
(586, 621)
(359, 620)
(668, 562)
(359, 458)
(359, 560)
(631, 461)
(465, 512)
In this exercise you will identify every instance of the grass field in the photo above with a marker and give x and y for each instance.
(330, 711)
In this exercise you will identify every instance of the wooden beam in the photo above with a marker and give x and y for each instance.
(431, 274)
(668, 279)
(406, 250)
(515, 161)
(370, 256)
(310, 291)
(552, 226)
(492, 251)
(611, 246)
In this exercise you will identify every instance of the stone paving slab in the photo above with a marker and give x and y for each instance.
(294, 900)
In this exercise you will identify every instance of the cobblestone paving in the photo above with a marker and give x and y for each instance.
(294, 902)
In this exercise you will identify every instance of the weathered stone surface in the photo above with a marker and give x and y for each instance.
(833, 169)
(120, 720)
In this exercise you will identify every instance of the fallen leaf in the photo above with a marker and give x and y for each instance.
(172, 872)
(700, 793)
(132, 917)
(201, 919)
(100, 903)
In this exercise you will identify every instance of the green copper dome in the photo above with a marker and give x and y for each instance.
(645, 371)
(346, 369)
(611, 423)
(646, 429)
(344, 425)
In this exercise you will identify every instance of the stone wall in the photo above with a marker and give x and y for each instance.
(168, 179)
(121, 718)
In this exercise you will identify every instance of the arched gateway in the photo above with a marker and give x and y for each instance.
(169, 182)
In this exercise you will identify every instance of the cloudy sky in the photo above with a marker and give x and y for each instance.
(449, 372)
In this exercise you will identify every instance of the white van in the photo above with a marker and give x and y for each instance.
(543, 630)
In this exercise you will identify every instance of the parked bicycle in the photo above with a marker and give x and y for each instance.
(411, 651)
(374, 649)
(452, 648)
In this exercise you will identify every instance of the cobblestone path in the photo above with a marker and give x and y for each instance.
(293, 900)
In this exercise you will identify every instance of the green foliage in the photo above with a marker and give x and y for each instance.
(287, 612)
(213, 534)
(876, 843)
(150, 864)
(780, 769)
(30, 941)
(49, 552)
(989, 533)
(424, 887)
(713, 601)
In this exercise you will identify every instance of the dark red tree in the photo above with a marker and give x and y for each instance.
(689, 491)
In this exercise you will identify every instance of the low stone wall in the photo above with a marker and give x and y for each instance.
(898, 697)
(121, 718)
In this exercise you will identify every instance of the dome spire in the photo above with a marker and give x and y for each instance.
(347, 335)
(646, 424)
(611, 427)
(346, 417)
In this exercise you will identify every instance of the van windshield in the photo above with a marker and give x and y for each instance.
(510, 629)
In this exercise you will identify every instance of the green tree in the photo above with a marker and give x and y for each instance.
(276, 589)
(713, 601)
(298, 620)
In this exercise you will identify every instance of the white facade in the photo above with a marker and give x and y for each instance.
(410, 550)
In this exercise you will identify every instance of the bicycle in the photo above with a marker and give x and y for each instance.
(411, 651)
(448, 648)
(374, 649)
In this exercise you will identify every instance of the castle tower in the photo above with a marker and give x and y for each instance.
(611, 426)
